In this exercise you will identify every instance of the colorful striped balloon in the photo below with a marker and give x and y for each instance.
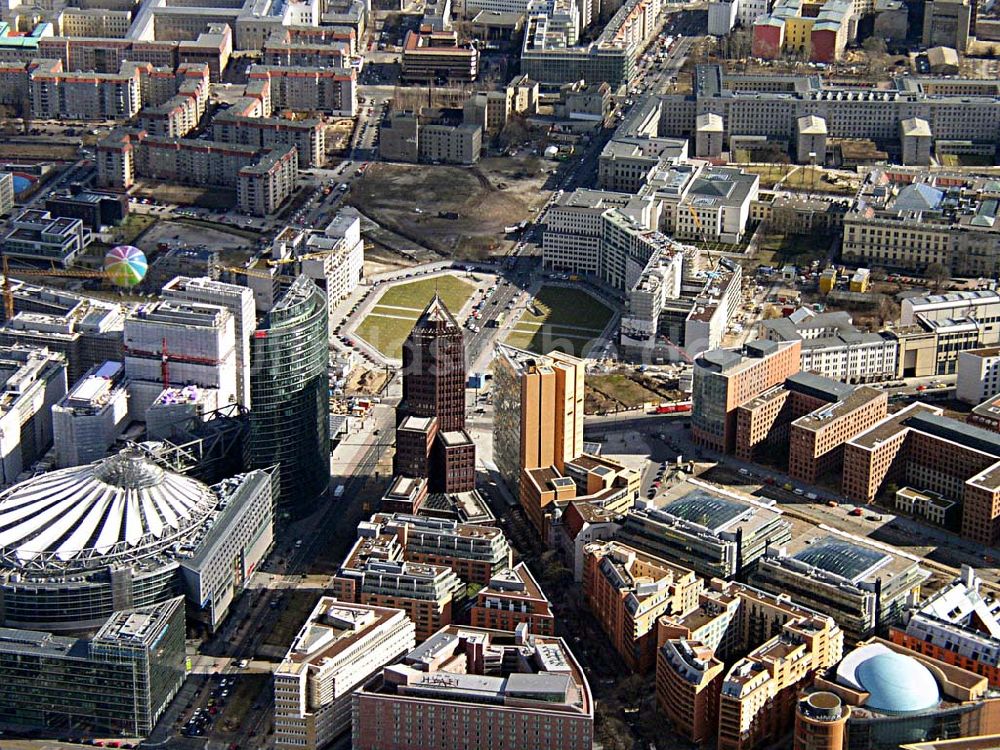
(125, 265)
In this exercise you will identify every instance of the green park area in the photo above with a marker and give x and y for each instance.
(560, 318)
(391, 319)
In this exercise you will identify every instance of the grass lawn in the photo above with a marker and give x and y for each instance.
(560, 317)
(392, 317)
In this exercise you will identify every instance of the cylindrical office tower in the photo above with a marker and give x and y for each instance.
(289, 391)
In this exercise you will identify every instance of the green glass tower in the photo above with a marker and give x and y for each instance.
(289, 390)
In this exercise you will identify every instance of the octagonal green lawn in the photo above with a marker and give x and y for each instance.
(387, 324)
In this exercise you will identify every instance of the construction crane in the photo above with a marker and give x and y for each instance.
(701, 228)
(307, 256)
(248, 272)
(73, 273)
(166, 357)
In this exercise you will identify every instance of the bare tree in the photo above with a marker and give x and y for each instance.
(937, 274)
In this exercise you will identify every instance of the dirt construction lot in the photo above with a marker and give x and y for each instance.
(487, 197)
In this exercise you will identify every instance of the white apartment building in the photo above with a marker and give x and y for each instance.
(304, 88)
(978, 377)
(333, 258)
(239, 301)
(92, 415)
(962, 618)
(338, 648)
(713, 309)
(572, 238)
(629, 240)
(834, 348)
(38, 235)
(749, 11)
(177, 343)
(32, 381)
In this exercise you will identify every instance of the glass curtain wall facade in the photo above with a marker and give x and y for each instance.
(120, 682)
(289, 390)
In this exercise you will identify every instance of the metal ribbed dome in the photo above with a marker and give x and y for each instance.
(123, 507)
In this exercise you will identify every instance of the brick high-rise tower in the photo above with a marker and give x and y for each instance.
(431, 440)
(434, 369)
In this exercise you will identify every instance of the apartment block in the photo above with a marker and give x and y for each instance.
(325, 49)
(92, 415)
(263, 186)
(724, 379)
(308, 137)
(512, 598)
(774, 647)
(627, 590)
(376, 573)
(718, 535)
(310, 88)
(38, 235)
(920, 448)
(58, 94)
(539, 411)
(483, 687)
(833, 347)
(263, 177)
(476, 553)
(865, 586)
(339, 648)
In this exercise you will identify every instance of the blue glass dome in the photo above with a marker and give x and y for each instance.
(897, 684)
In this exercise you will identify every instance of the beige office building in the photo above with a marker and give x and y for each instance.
(538, 403)
(339, 647)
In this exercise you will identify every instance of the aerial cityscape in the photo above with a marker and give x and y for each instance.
(500, 374)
